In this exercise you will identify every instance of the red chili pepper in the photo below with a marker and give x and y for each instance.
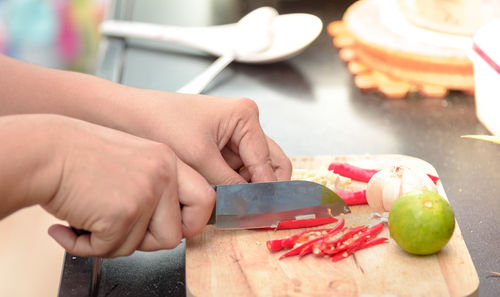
(338, 242)
(289, 242)
(306, 250)
(353, 241)
(298, 249)
(345, 241)
(274, 245)
(331, 240)
(360, 174)
(375, 229)
(433, 177)
(305, 223)
(312, 247)
(372, 242)
(360, 246)
(353, 197)
(352, 171)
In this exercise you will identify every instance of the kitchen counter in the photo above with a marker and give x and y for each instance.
(310, 106)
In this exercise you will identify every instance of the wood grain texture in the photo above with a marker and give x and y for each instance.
(237, 263)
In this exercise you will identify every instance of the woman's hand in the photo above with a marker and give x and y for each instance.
(125, 190)
(216, 136)
(219, 137)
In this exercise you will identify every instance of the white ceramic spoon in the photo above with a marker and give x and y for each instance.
(291, 34)
(253, 34)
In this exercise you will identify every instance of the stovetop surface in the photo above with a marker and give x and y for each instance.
(160, 273)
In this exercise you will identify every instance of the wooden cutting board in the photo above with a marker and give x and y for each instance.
(237, 262)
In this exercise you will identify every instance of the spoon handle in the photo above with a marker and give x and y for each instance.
(199, 83)
(211, 39)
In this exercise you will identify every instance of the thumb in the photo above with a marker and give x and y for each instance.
(81, 245)
(73, 244)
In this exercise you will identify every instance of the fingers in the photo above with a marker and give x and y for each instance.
(250, 142)
(164, 231)
(216, 170)
(83, 245)
(282, 165)
(262, 159)
(197, 198)
(112, 243)
(232, 159)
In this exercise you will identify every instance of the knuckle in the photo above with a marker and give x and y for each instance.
(248, 103)
(129, 213)
(172, 241)
(248, 107)
(287, 164)
(205, 196)
(206, 201)
(176, 240)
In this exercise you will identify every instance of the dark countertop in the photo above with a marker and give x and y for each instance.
(310, 106)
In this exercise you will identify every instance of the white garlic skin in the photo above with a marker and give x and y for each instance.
(389, 184)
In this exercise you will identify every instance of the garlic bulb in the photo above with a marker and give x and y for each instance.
(389, 184)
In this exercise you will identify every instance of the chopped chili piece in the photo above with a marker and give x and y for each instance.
(304, 236)
(353, 197)
(305, 223)
(350, 232)
(308, 237)
(360, 174)
(297, 250)
(360, 246)
(337, 243)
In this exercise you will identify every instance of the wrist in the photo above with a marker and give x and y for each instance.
(30, 160)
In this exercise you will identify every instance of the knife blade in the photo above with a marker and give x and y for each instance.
(264, 205)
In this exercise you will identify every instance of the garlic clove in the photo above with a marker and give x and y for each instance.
(389, 184)
(391, 191)
(374, 193)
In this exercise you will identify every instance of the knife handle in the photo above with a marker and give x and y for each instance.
(80, 231)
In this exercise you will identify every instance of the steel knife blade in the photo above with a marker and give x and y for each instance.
(264, 205)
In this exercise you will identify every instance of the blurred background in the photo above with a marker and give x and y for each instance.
(54, 33)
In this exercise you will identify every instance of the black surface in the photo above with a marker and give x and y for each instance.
(310, 106)
(76, 277)
(159, 273)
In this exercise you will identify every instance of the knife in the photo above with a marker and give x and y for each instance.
(96, 268)
(261, 205)
(265, 205)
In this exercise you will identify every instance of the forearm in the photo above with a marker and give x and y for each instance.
(26, 88)
(29, 169)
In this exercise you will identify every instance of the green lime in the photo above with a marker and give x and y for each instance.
(421, 222)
